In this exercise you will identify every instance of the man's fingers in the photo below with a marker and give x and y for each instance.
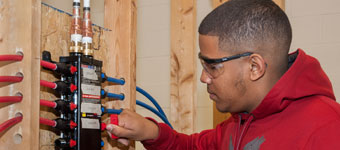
(119, 131)
(124, 141)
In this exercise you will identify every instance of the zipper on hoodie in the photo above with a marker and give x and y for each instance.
(239, 135)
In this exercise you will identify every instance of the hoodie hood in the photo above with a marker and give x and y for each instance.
(305, 73)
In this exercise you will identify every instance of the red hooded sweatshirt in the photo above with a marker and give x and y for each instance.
(300, 112)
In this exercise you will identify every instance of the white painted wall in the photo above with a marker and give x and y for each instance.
(316, 29)
(153, 59)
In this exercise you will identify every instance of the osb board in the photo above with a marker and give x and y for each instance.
(20, 31)
(55, 38)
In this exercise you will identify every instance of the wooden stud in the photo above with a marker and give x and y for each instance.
(216, 3)
(120, 17)
(183, 65)
(281, 3)
(20, 32)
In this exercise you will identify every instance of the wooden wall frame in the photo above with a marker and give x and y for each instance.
(21, 30)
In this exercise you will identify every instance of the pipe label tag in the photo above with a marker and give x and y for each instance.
(87, 123)
(89, 72)
(91, 108)
(90, 89)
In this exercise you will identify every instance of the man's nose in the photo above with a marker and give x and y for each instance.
(205, 77)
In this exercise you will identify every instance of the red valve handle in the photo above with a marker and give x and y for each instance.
(73, 143)
(114, 120)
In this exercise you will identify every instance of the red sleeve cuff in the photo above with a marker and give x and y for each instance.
(163, 134)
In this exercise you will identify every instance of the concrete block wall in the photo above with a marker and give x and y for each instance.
(153, 59)
(153, 55)
(316, 29)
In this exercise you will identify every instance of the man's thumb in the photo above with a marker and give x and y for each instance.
(109, 127)
(117, 130)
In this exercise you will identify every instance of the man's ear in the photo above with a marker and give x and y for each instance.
(258, 67)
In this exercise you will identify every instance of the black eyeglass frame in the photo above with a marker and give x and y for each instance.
(224, 59)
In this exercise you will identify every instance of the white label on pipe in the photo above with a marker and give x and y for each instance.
(86, 3)
(87, 39)
(91, 108)
(76, 37)
(87, 123)
(90, 74)
(90, 89)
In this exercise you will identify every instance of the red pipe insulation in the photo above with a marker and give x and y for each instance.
(10, 123)
(48, 84)
(48, 122)
(10, 79)
(48, 65)
(6, 99)
(11, 57)
(47, 103)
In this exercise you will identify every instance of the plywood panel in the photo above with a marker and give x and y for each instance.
(55, 39)
(183, 65)
(20, 32)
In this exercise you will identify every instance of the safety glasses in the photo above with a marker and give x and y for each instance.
(214, 67)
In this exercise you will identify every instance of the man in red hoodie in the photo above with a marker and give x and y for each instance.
(277, 100)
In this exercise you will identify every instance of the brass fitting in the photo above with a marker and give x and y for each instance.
(76, 47)
(88, 50)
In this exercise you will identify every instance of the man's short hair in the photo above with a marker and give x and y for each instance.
(248, 23)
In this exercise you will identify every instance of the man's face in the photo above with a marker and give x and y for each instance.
(227, 88)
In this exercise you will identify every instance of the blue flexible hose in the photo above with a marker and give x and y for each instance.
(116, 96)
(154, 111)
(140, 90)
(154, 102)
(112, 111)
(113, 80)
(112, 95)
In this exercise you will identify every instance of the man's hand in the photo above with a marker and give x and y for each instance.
(133, 126)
